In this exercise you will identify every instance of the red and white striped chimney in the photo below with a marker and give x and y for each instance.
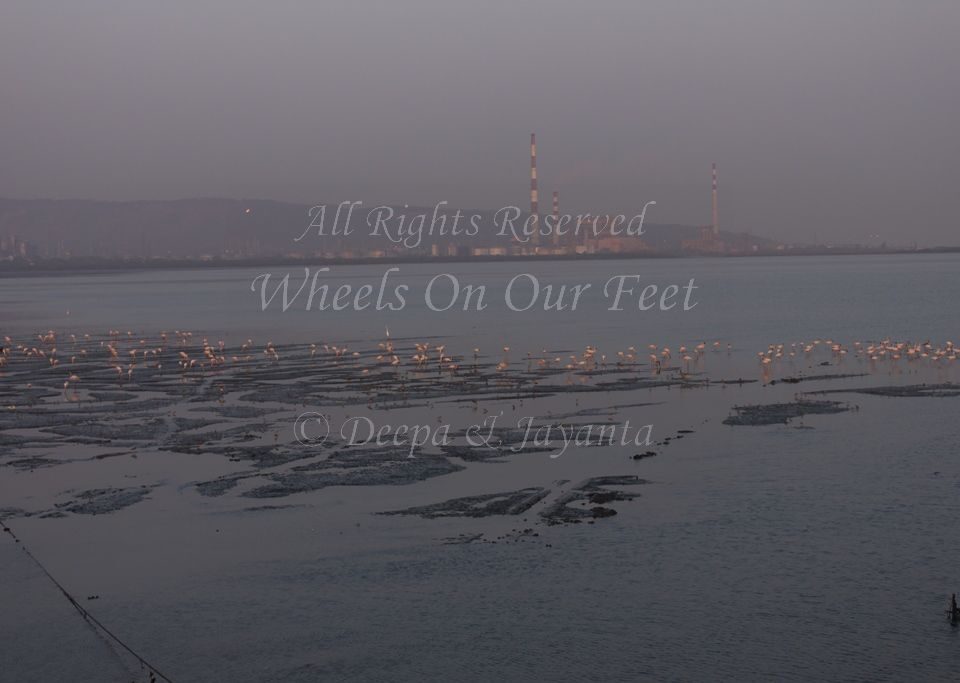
(534, 198)
(556, 218)
(716, 220)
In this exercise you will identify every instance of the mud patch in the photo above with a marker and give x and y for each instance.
(909, 391)
(375, 467)
(815, 378)
(583, 502)
(31, 463)
(782, 413)
(509, 503)
(219, 486)
(103, 501)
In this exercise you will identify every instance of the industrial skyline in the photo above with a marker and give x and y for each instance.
(591, 233)
(243, 230)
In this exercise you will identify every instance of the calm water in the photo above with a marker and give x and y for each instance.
(748, 301)
(768, 553)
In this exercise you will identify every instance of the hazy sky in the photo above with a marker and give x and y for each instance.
(832, 118)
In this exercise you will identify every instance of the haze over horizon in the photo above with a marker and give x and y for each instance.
(836, 120)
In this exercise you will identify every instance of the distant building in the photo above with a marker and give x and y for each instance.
(708, 242)
(13, 248)
(622, 245)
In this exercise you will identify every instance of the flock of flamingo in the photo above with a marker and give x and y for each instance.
(126, 353)
(871, 351)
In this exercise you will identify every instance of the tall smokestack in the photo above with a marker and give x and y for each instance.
(556, 218)
(534, 199)
(716, 219)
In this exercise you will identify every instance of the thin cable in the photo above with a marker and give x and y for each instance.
(83, 612)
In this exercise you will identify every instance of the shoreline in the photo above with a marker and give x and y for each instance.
(67, 268)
